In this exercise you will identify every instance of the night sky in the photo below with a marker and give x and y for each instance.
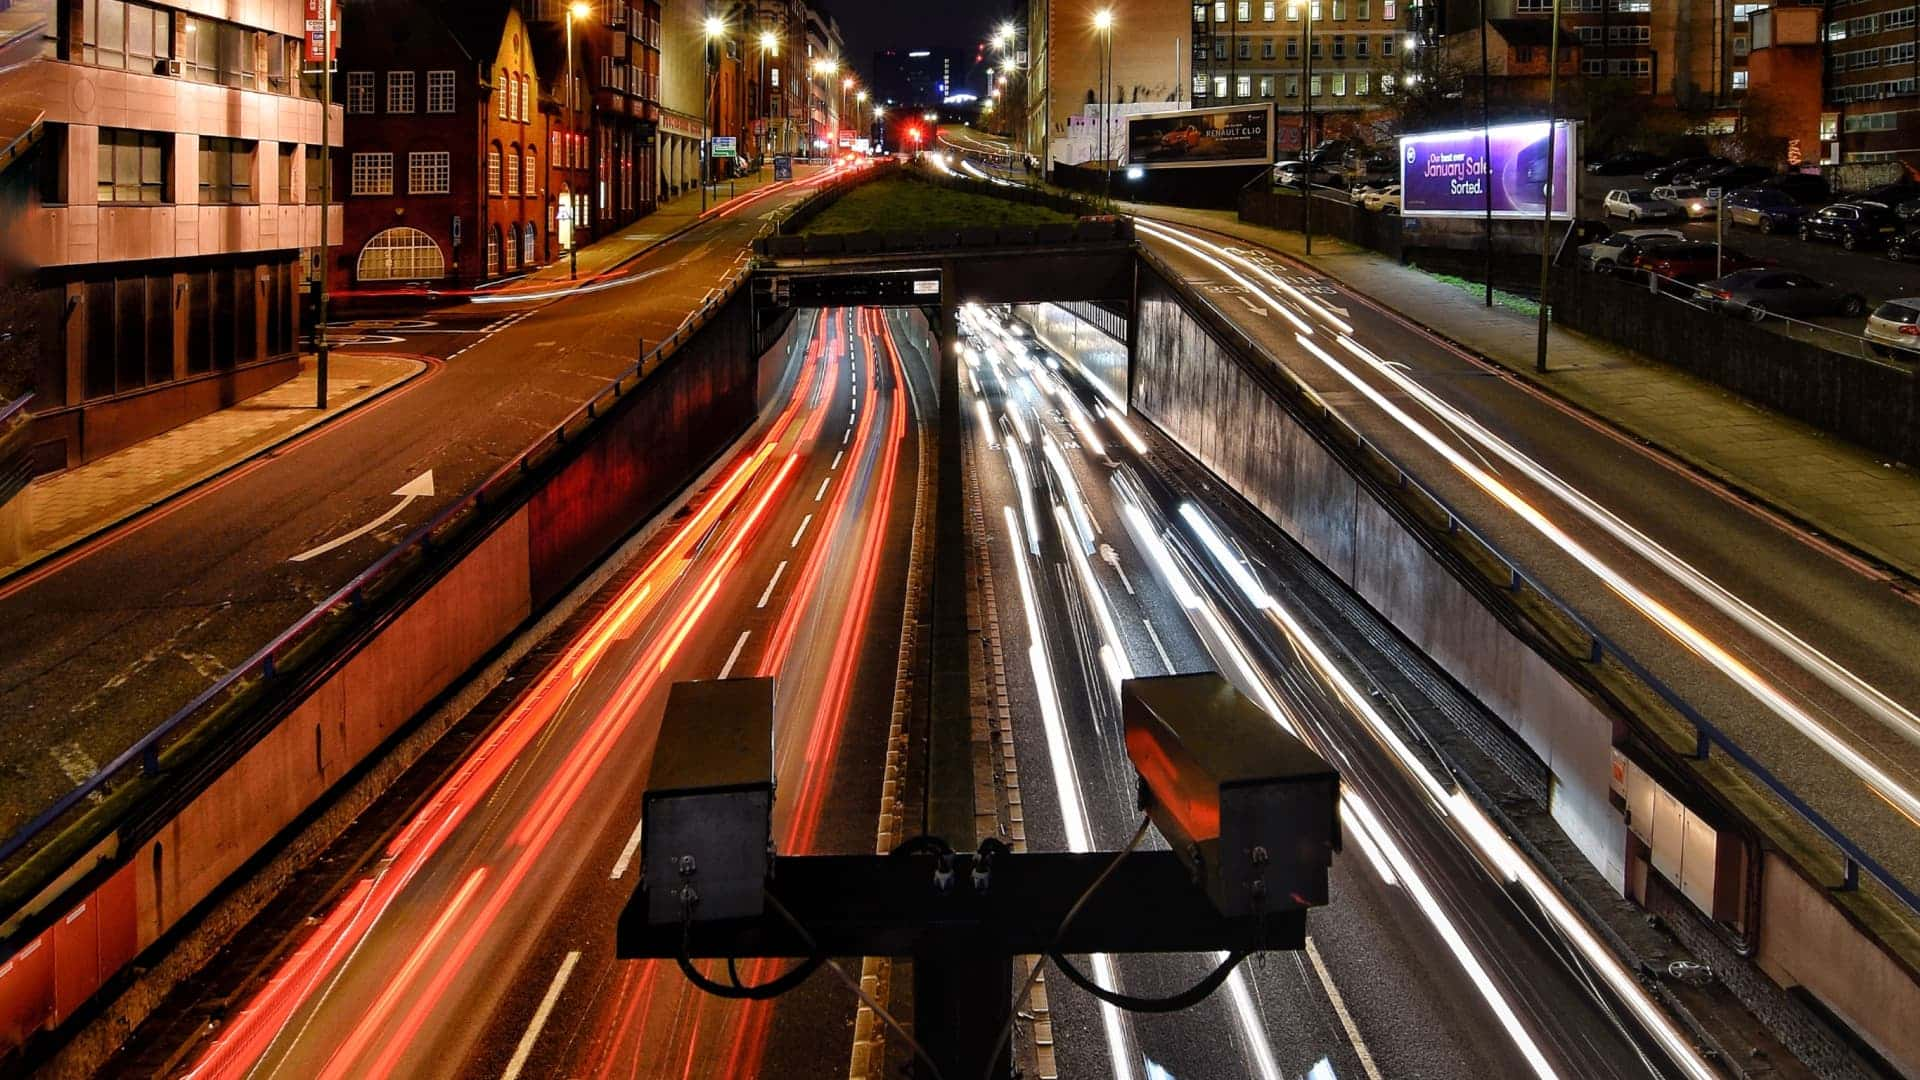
(871, 25)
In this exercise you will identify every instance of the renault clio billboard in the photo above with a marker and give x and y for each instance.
(1451, 173)
(1242, 136)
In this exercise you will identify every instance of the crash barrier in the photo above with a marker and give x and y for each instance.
(1836, 921)
(1814, 374)
(124, 858)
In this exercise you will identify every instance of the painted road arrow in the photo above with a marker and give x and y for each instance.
(419, 487)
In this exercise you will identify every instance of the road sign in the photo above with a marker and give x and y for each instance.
(319, 34)
(782, 166)
(723, 146)
(456, 230)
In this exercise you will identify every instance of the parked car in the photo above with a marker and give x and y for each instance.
(1851, 225)
(1625, 163)
(1896, 325)
(1805, 187)
(1672, 173)
(1888, 195)
(1905, 245)
(1604, 254)
(1732, 176)
(1638, 205)
(1288, 173)
(1384, 199)
(1692, 261)
(1769, 209)
(1694, 173)
(1759, 293)
(1694, 201)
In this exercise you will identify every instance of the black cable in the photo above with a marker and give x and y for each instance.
(1187, 998)
(765, 990)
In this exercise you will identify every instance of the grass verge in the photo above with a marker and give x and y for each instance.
(899, 202)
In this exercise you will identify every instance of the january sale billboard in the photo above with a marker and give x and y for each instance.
(1201, 137)
(1451, 173)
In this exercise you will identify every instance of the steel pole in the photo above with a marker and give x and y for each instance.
(326, 200)
(573, 227)
(1546, 214)
(1306, 127)
(1486, 149)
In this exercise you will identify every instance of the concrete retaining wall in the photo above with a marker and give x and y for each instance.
(1097, 354)
(153, 875)
(1208, 399)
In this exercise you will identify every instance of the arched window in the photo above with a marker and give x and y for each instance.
(493, 251)
(533, 171)
(528, 238)
(493, 169)
(526, 95)
(513, 246)
(504, 91)
(400, 254)
(513, 169)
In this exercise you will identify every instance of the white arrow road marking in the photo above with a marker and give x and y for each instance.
(419, 487)
(1251, 306)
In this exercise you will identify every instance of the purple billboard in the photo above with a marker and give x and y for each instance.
(1451, 173)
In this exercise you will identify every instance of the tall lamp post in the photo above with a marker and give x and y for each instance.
(840, 118)
(828, 67)
(576, 10)
(1306, 125)
(860, 108)
(769, 46)
(1103, 22)
(716, 29)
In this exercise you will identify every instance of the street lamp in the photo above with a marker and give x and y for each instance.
(1306, 124)
(1103, 22)
(579, 9)
(716, 28)
(769, 46)
(827, 67)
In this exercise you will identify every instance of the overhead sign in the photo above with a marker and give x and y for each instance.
(1196, 137)
(1453, 173)
(723, 146)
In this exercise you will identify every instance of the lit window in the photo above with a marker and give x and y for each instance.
(1339, 84)
(429, 172)
(1219, 86)
(373, 174)
(1740, 79)
(493, 169)
(226, 171)
(133, 166)
(513, 170)
(1243, 86)
(439, 91)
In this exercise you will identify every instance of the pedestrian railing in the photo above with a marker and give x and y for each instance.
(16, 463)
(1599, 648)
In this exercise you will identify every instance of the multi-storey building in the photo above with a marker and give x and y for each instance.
(1335, 63)
(1067, 73)
(684, 104)
(618, 79)
(1872, 82)
(823, 43)
(179, 187)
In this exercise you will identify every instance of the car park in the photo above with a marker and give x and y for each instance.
(1732, 176)
(1625, 163)
(1756, 294)
(1694, 201)
(1636, 204)
(1604, 254)
(1903, 246)
(1678, 171)
(1851, 225)
(1689, 262)
(1289, 173)
(1896, 325)
(1768, 209)
(1887, 195)
(1382, 199)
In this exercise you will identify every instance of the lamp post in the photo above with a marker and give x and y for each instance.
(1546, 213)
(716, 29)
(1103, 22)
(860, 106)
(576, 10)
(1306, 125)
(840, 117)
(828, 68)
(769, 46)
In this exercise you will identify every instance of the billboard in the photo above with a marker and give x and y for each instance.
(1195, 137)
(1451, 173)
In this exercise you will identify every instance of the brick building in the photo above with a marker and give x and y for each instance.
(1872, 102)
(1251, 51)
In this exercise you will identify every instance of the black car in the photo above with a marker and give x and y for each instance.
(1804, 187)
(1625, 163)
(1850, 224)
(1671, 174)
(1904, 245)
(1728, 177)
(1888, 195)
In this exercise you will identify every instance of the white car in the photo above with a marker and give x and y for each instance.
(1695, 202)
(1386, 198)
(1637, 205)
(1896, 325)
(1603, 253)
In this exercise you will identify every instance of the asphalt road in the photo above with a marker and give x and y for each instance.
(99, 645)
(1800, 653)
(478, 937)
(1090, 547)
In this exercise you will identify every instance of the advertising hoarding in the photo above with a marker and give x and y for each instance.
(1450, 173)
(1196, 137)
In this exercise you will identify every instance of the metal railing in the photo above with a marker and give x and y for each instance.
(386, 572)
(16, 466)
(1707, 735)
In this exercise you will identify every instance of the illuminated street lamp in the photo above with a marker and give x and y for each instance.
(579, 9)
(716, 28)
(769, 46)
(1103, 22)
(828, 68)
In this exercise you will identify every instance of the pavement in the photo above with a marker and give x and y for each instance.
(1838, 489)
(61, 510)
(100, 644)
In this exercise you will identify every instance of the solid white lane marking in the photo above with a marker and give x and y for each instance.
(801, 531)
(1340, 1010)
(1165, 660)
(771, 582)
(626, 853)
(823, 489)
(739, 643)
(836, 460)
(525, 1050)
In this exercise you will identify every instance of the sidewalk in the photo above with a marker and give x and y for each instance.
(61, 510)
(1834, 487)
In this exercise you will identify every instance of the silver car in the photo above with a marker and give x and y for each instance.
(1603, 254)
(1896, 325)
(1637, 205)
(1757, 294)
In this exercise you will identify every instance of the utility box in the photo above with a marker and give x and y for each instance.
(706, 829)
(1252, 810)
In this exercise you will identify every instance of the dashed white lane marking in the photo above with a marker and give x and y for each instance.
(836, 460)
(1340, 1009)
(739, 643)
(818, 495)
(1165, 660)
(765, 596)
(525, 1050)
(801, 531)
(848, 437)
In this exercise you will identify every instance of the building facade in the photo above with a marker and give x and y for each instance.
(1872, 63)
(178, 194)
(1335, 63)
